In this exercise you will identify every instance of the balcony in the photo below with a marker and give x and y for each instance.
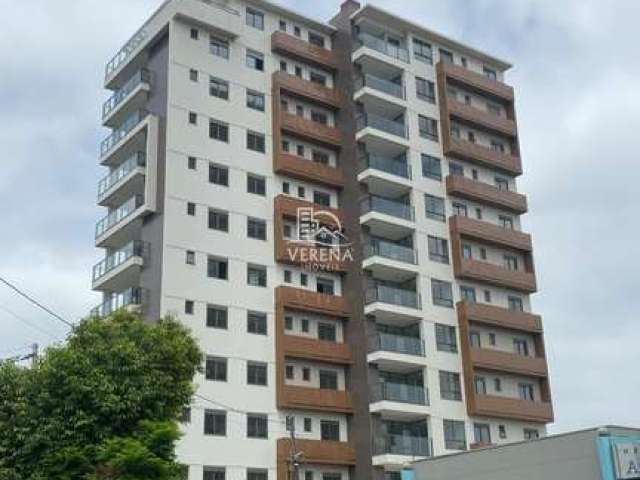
(306, 348)
(488, 233)
(117, 218)
(380, 94)
(393, 296)
(122, 182)
(133, 93)
(478, 271)
(510, 408)
(390, 261)
(390, 250)
(297, 48)
(387, 206)
(387, 218)
(473, 152)
(316, 452)
(499, 317)
(382, 124)
(367, 40)
(286, 206)
(307, 129)
(110, 143)
(400, 392)
(475, 81)
(496, 360)
(308, 170)
(411, 446)
(310, 301)
(120, 268)
(406, 345)
(385, 176)
(487, 194)
(482, 119)
(125, 53)
(316, 399)
(329, 97)
(131, 299)
(381, 85)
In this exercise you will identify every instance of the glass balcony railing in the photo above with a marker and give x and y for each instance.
(138, 159)
(117, 258)
(390, 250)
(401, 392)
(388, 342)
(393, 296)
(380, 84)
(119, 214)
(130, 296)
(373, 203)
(393, 166)
(403, 445)
(140, 77)
(381, 123)
(119, 133)
(125, 52)
(383, 46)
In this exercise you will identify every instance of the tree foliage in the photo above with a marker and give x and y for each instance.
(103, 406)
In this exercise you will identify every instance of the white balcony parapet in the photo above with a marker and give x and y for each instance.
(138, 159)
(119, 214)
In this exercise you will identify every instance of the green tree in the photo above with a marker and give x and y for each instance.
(103, 406)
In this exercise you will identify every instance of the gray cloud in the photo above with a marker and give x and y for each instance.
(575, 74)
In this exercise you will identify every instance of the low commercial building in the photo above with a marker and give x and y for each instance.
(605, 453)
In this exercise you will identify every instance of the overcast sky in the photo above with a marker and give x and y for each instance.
(578, 103)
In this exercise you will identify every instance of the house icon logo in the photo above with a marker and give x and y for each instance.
(321, 227)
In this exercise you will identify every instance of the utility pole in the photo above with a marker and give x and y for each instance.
(34, 355)
(295, 457)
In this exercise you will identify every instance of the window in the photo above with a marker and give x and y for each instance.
(331, 476)
(304, 325)
(489, 73)
(431, 167)
(327, 332)
(492, 339)
(463, 61)
(502, 432)
(255, 18)
(468, 294)
(256, 276)
(459, 209)
(325, 285)
(195, 34)
(483, 253)
(218, 220)
(502, 183)
(471, 136)
(446, 340)
(289, 373)
(467, 252)
(487, 296)
(282, 25)
(298, 71)
(454, 435)
(256, 185)
(446, 56)
(255, 100)
(525, 391)
(328, 380)
(216, 369)
(217, 317)
(185, 417)
(306, 374)
(497, 385)
(309, 475)
(515, 304)
(456, 169)
(218, 175)
(521, 347)
(494, 109)
(497, 146)
(480, 385)
(288, 322)
(438, 249)
(467, 99)
(422, 51)
(510, 262)
(190, 257)
(287, 273)
(434, 207)
(217, 268)
(256, 229)
(304, 279)
(307, 424)
(256, 373)
(441, 293)
(425, 90)
(321, 198)
(450, 386)
(255, 141)
(286, 187)
(188, 307)
(319, 117)
(478, 213)
(257, 426)
(318, 78)
(330, 430)
(320, 157)
(257, 474)
(428, 127)
(482, 433)
(296, 31)
(218, 88)
(315, 39)
(255, 60)
(283, 66)
(215, 422)
(475, 340)
(191, 208)
(193, 75)
(531, 434)
(257, 323)
(193, 118)
(219, 130)
(505, 222)
(300, 150)
(192, 163)
(219, 47)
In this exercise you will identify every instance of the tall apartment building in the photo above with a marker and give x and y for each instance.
(332, 209)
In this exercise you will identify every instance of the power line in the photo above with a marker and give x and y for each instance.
(29, 324)
(36, 303)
